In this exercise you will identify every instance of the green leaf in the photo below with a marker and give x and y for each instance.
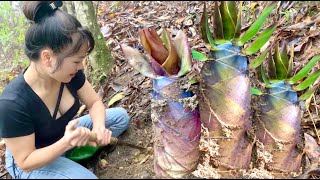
(307, 82)
(217, 23)
(262, 75)
(259, 73)
(284, 55)
(272, 70)
(228, 23)
(233, 10)
(260, 41)
(165, 39)
(183, 50)
(304, 71)
(255, 63)
(308, 94)
(205, 29)
(198, 55)
(256, 26)
(192, 81)
(290, 63)
(281, 68)
(237, 31)
(116, 98)
(255, 91)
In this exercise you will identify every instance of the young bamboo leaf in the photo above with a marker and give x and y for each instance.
(308, 94)
(198, 55)
(281, 68)
(262, 75)
(290, 63)
(165, 39)
(158, 50)
(158, 69)
(138, 61)
(171, 64)
(259, 73)
(307, 82)
(203, 24)
(237, 31)
(144, 41)
(154, 34)
(183, 49)
(228, 23)
(217, 24)
(205, 29)
(256, 26)
(283, 54)
(304, 71)
(255, 63)
(272, 70)
(255, 91)
(233, 10)
(260, 41)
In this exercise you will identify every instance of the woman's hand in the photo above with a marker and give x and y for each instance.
(76, 136)
(103, 136)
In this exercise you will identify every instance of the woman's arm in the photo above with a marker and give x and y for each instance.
(97, 112)
(93, 103)
(28, 158)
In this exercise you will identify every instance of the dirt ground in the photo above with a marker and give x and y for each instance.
(127, 162)
(120, 21)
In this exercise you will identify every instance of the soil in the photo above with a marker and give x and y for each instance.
(127, 162)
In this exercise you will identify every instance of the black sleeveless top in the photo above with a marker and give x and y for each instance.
(22, 112)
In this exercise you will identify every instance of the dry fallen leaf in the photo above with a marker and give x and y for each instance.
(106, 31)
(116, 98)
(180, 19)
(103, 163)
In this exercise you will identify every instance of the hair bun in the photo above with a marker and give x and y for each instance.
(38, 10)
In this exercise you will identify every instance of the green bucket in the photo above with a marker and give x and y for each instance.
(82, 153)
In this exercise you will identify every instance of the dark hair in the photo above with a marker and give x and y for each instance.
(53, 28)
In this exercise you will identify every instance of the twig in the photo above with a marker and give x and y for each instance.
(3, 174)
(315, 105)
(314, 125)
(145, 159)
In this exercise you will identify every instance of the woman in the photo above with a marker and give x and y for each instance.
(37, 107)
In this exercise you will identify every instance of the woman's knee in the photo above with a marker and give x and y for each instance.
(121, 115)
(62, 168)
(125, 117)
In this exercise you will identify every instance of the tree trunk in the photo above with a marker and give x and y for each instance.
(69, 7)
(100, 58)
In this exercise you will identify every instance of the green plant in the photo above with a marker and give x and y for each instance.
(278, 125)
(12, 30)
(225, 87)
(174, 107)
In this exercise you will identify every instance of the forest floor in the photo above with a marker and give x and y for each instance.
(120, 22)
